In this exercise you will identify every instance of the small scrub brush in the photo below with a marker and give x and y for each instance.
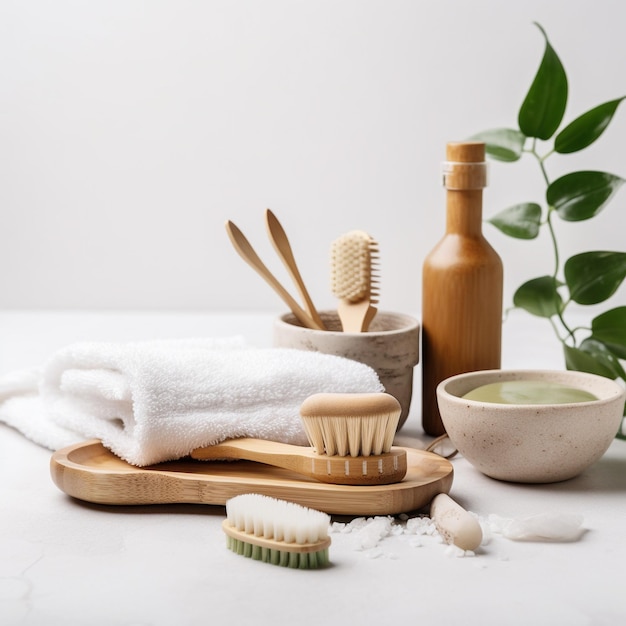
(277, 531)
(354, 279)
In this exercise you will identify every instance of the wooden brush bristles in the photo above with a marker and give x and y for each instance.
(347, 424)
(354, 274)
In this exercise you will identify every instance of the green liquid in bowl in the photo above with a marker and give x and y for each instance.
(528, 392)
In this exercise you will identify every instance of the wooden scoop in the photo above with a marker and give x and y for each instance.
(381, 469)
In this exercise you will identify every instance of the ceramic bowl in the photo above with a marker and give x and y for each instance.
(390, 347)
(531, 443)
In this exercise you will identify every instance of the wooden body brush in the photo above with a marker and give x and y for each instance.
(354, 279)
(351, 437)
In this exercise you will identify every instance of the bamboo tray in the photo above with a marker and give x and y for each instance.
(90, 472)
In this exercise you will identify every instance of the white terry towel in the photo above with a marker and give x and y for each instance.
(156, 401)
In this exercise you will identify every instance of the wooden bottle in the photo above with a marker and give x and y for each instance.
(462, 285)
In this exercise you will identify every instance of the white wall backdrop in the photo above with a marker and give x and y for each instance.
(131, 130)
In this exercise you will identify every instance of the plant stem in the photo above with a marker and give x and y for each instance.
(540, 160)
(545, 156)
(555, 247)
(556, 330)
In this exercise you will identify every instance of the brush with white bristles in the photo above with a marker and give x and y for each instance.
(354, 279)
(277, 531)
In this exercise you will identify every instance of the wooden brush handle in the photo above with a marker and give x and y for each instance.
(355, 316)
(378, 469)
(274, 544)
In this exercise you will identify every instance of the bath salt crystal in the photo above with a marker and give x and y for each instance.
(420, 526)
(396, 530)
(352, 526)
(543, 527)
(367, 534)
(372, 532)
(337, 527)
(356, 523)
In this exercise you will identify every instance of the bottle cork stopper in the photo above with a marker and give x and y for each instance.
(465, 167)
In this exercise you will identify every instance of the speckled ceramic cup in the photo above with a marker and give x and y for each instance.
(390, 347)
(531, 443)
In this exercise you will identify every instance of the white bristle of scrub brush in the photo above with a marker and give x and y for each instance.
(277, 531)
(350, 424)
(354, 279)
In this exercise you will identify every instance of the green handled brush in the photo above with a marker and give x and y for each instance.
(277, 531)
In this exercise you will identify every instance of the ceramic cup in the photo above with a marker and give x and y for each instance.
(390, 347)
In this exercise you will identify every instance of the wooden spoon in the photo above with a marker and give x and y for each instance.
(379, 469)
(247, 253)
(279, 239)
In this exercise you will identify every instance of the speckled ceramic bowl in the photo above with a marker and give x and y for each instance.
(390, 347)
(531, 443)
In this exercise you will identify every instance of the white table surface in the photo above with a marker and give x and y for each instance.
(68, 562)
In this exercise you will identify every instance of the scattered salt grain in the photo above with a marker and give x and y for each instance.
(372, 532)
(420, 526)
(368, 533)
(337, 527)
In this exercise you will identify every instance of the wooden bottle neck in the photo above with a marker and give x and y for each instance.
(464, 212)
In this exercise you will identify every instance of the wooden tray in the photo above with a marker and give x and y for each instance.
(90, 472)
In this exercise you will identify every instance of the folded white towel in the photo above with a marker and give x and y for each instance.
(156, 401)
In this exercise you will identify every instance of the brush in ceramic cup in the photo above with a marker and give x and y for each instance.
(390, 347)
(354, 279)
(536, 426)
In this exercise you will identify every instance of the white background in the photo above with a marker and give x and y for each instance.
(131, 130)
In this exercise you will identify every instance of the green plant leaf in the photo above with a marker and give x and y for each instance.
(610, 328)
(593, 277)
(605, 356)
(521, 221)
(594, 358)
(543, 108)
(584, 130)
(502, 144)
(539, 296)
(581, 195)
